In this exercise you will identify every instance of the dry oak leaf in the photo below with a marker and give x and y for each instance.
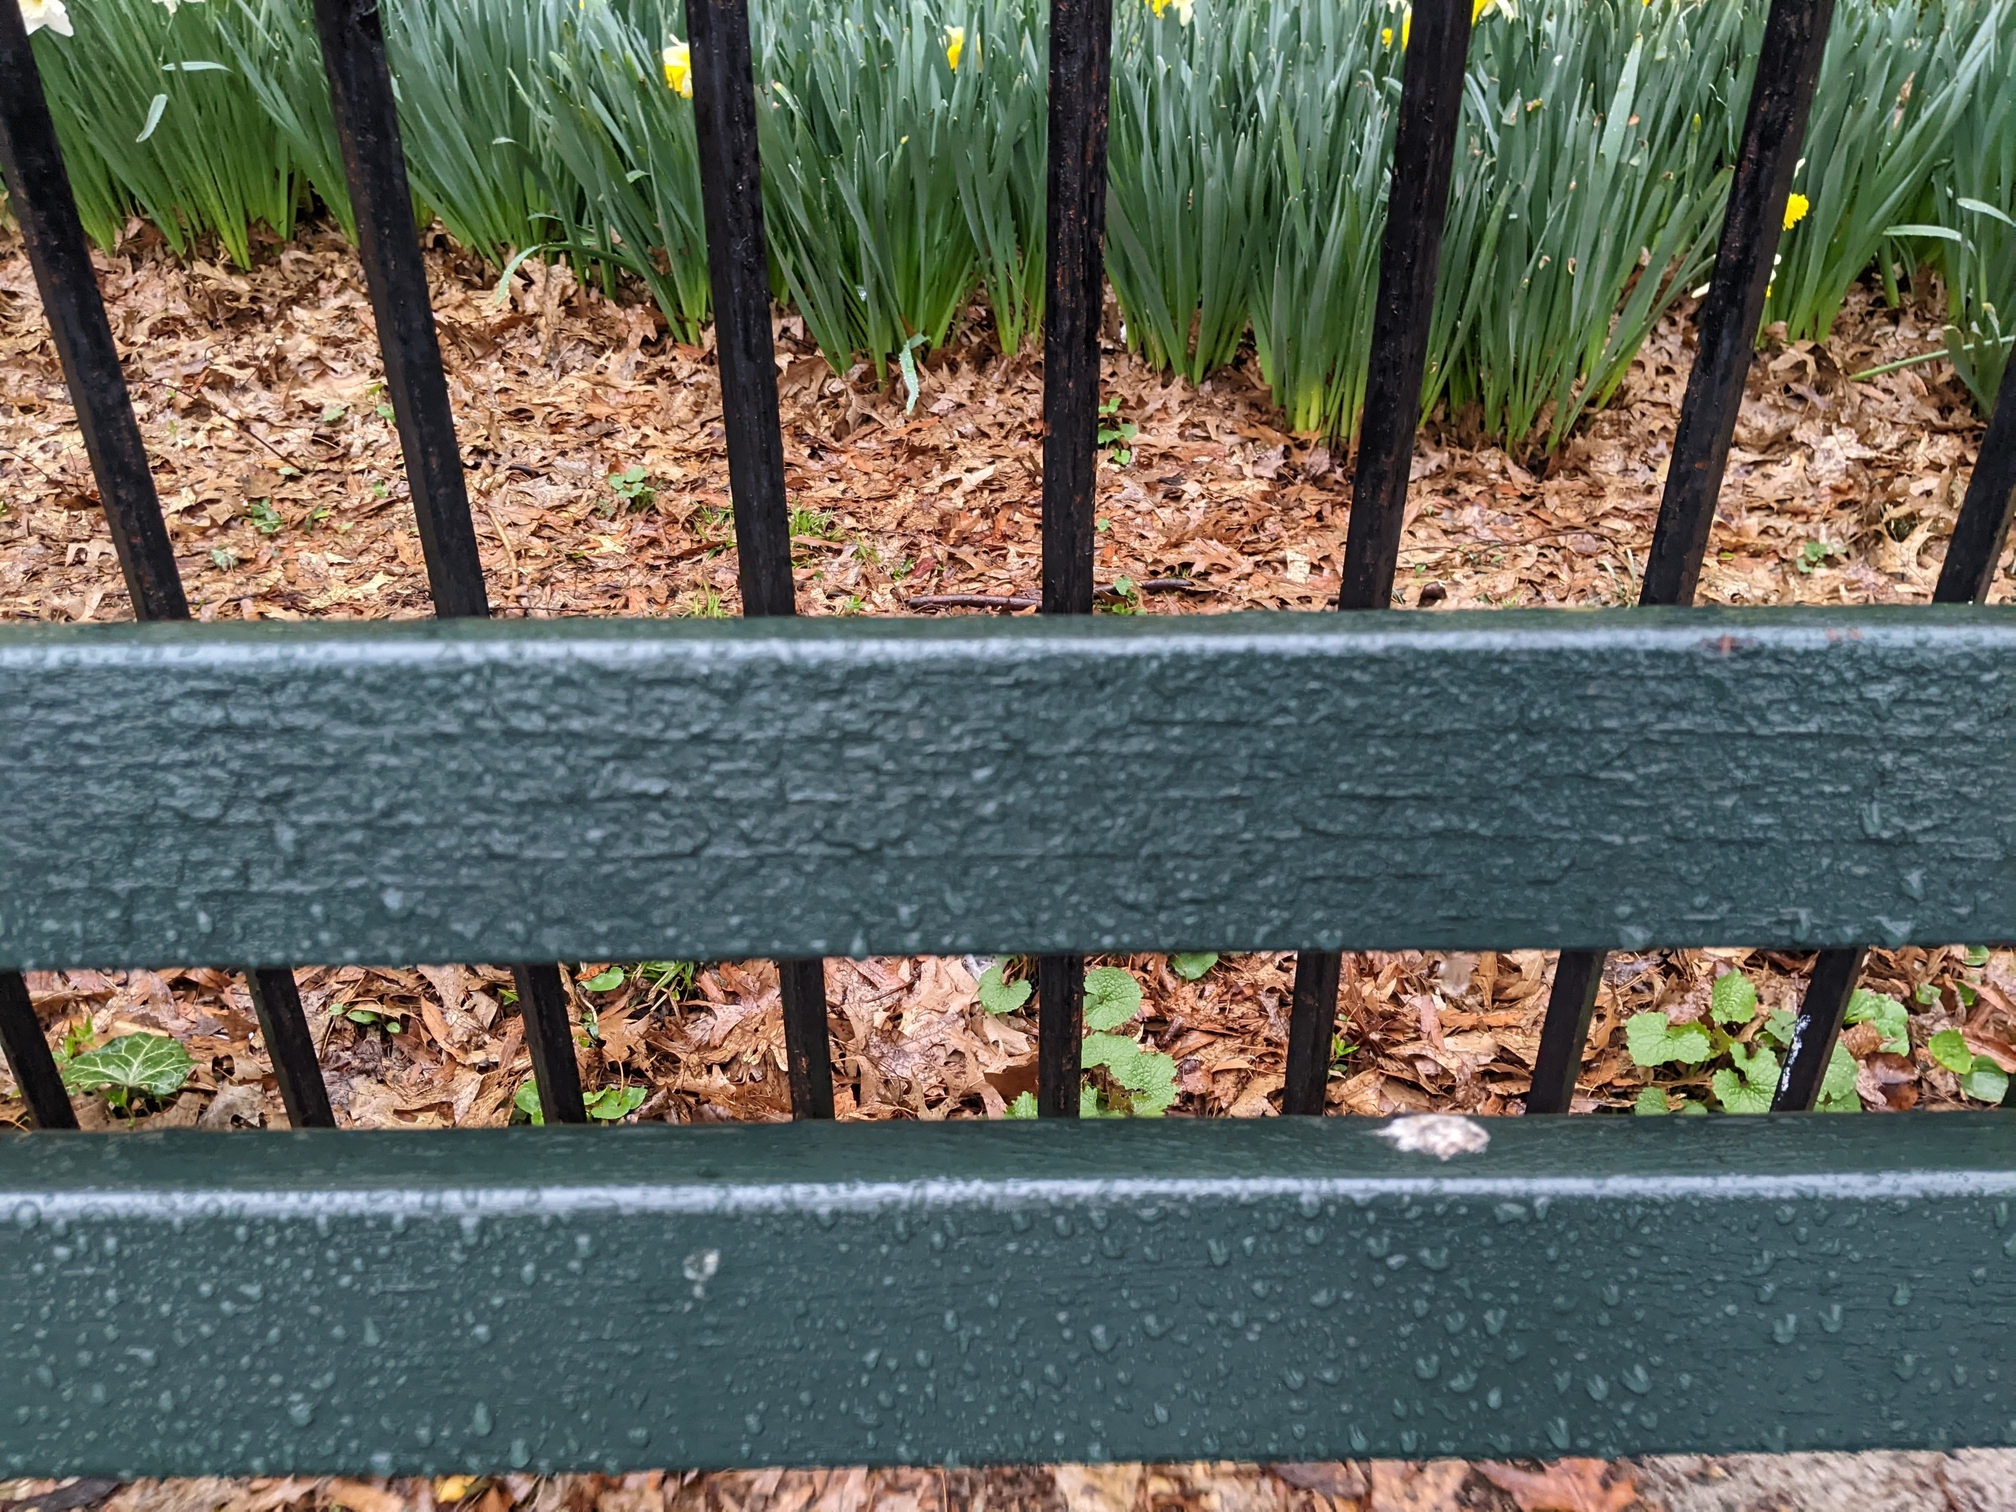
(1328, 1477)
(1398, 1486)
(1569, 1485)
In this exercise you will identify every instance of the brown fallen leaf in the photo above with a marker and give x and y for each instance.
(1888, 1083)
(1569, 1485)
(1398, 1486)
(361, 1496)
(1325, 1477)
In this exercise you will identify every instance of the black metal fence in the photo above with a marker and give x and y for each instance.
(360, 88)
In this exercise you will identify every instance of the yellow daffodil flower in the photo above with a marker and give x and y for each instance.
(1479, 9)
(678, 59)
(36, 14)
(955, 45)
(1795, 210)
(1185, 9)
(1406, 30)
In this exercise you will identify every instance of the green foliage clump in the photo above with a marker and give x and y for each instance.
(904, 152)
(1748, 1052)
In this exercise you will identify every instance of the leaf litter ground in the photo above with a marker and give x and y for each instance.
(598, 480)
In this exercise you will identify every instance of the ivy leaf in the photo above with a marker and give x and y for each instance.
(1888, 1015)
(1651, 1100)
(1987, 1082)
(1837, 1087)
(1194, 964)
(526, 1101)
(605, 981)
(1732, 1000)
(1024, 1106)
(149, 1063)
(1112, 997)
(1655, 1040)
(998, 996)
(1737, 1095)
(611, 1103)
(1949, 1048)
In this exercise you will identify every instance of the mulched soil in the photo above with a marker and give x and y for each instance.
(259, 396)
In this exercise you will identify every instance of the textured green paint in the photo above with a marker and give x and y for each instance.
(608, 790)
(1288, 1289)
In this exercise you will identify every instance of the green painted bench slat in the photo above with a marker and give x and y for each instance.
(607, 790)
(189, 1303)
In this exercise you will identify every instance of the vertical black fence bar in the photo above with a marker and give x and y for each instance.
(28, 1056)
(1829, 986)
(1431, 109)
(40, 196)
(367, 129)
(1978, 535)
(1795, 37)
(1081, 71)
(277, 1001)
(1788, 64)
(738, 267)
(395, 277)
(542, 1004)
(1969, 570)
(1571, 1004)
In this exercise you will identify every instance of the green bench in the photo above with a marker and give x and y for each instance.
(1296, 1288)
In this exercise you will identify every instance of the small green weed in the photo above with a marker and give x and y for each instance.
(377, 1016)
(224, 558)
(1115, 434)
(1816, 554)
(264, 517)
(1980, 1078)
(1192, 965)
(1746, 1082)
(671, 977)
(605, 1104)
(998, 995)
(815, 523)
(632, 489)
(1140, 1081)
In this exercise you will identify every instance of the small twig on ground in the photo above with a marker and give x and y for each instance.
(971, 601)
(234, 421)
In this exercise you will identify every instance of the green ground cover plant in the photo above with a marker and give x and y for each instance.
(904, 152)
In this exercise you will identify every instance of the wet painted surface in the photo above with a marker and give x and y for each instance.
(616, 790)
(1301, 1289)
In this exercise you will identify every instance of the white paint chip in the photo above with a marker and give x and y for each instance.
(1442, 1135)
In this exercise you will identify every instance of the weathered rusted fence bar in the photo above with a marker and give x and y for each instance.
(1081, 67)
